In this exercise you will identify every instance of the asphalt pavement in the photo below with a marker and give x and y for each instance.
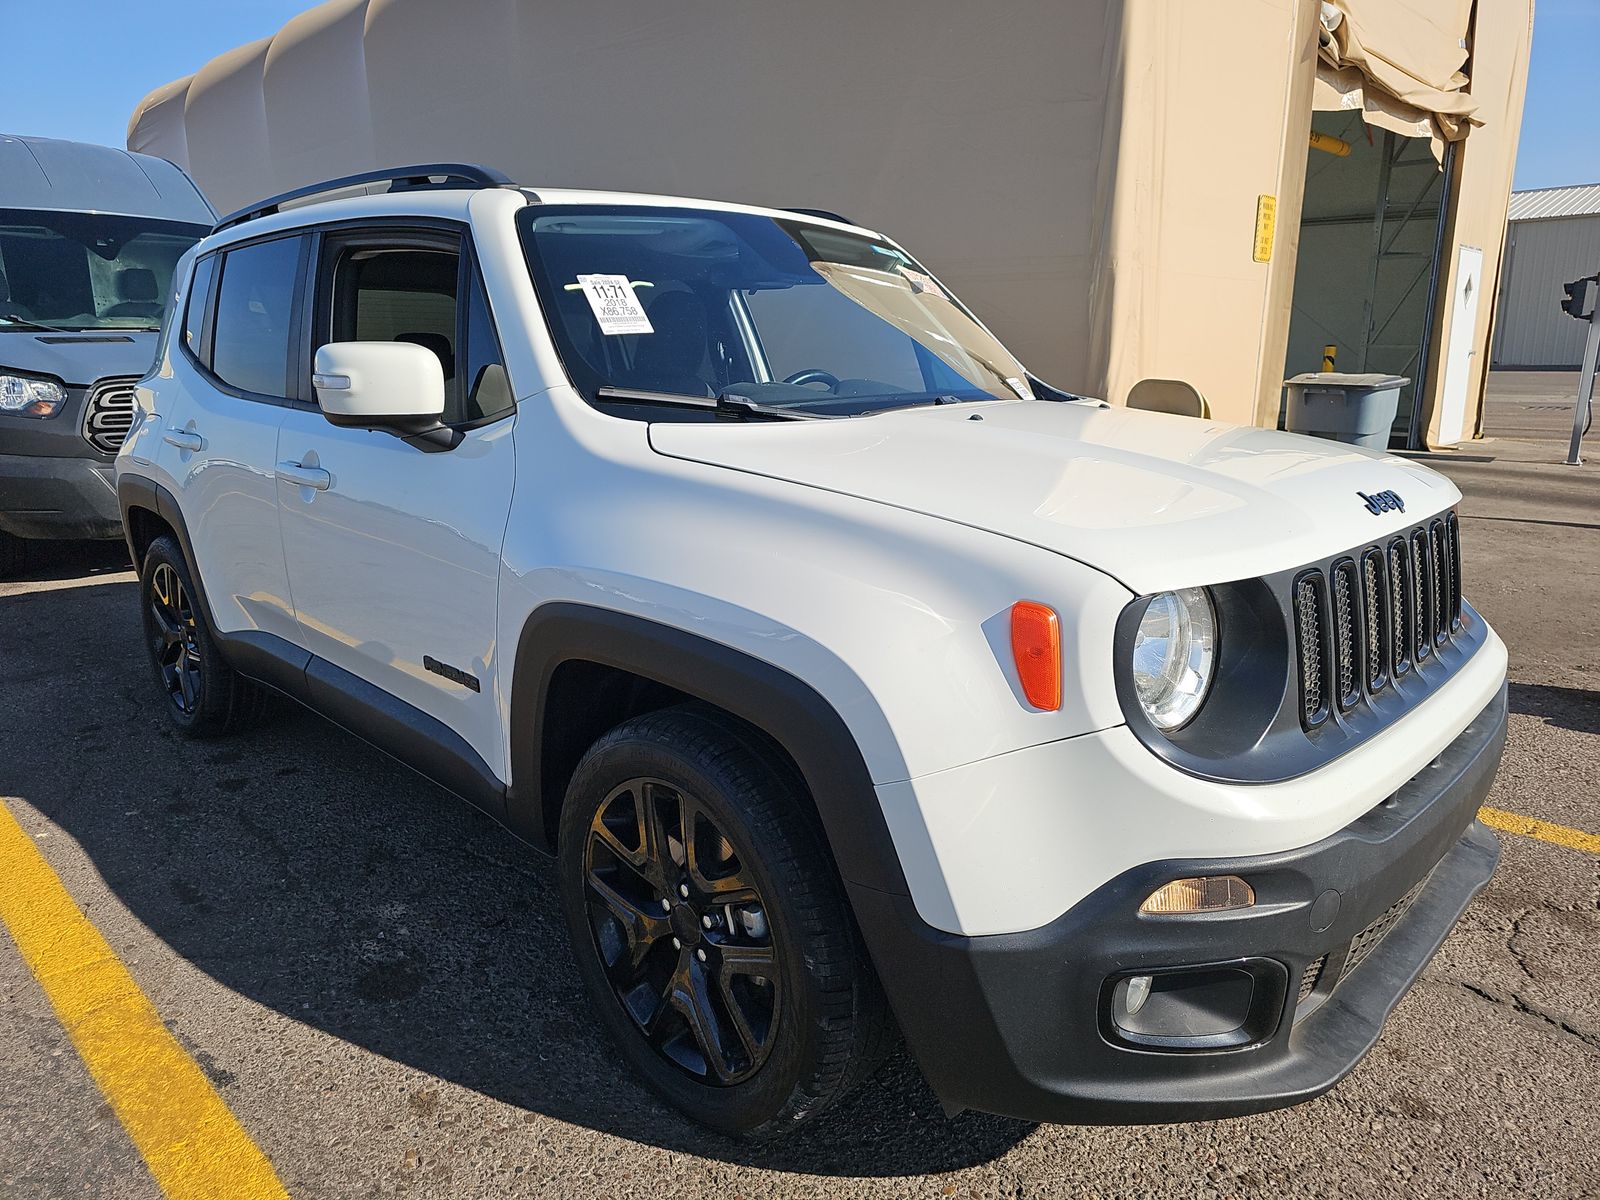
(376, 980)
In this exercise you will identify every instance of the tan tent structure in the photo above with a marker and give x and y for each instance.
(1124, 189)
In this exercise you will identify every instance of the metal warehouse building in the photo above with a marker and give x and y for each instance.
(1553, 238)
(1123, 189)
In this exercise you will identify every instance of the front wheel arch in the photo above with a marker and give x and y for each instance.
(659, 665)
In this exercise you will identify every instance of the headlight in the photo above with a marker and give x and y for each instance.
(1173, 655)
(29, 396)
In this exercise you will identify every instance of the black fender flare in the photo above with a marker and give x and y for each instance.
(784, 707)
(135, 491)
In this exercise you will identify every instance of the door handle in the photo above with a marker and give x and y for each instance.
(311, 477)
(183, 439)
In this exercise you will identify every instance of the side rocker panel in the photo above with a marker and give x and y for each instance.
(403, 732)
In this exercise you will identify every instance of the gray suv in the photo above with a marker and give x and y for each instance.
(89, 237)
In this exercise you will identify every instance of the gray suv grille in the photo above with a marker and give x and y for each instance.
(109, 414)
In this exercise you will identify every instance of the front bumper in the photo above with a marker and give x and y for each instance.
(1017, 1024)
(48, 497)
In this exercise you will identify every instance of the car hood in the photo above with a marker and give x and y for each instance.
(1155, 501)
(78, 359)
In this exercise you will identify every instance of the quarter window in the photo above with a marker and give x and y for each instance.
(254, 317)
(194, 313)
(487, 387)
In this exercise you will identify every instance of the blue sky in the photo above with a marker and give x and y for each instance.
(61, 83)
(1561, 125)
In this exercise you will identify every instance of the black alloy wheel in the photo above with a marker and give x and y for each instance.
(205, 696)
(175, 640)
(683, 932)
(710, 925)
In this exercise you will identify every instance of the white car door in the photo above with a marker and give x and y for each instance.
(393, 549)
(220, 416)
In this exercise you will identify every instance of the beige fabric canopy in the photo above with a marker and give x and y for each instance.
(1400, 63)
(1115, 186)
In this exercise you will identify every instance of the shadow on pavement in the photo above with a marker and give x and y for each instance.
(51, 562)
(303, 870)
(1577, 709)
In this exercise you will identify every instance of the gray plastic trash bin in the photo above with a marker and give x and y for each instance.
(1358, 409)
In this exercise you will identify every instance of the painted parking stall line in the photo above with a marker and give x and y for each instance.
(1545, 831)
(194, 1146)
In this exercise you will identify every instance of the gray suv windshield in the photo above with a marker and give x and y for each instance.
(74, 270)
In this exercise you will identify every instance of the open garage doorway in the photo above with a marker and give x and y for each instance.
(1367, 275)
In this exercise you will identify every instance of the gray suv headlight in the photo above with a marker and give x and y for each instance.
(29, 395)
(1174, 653)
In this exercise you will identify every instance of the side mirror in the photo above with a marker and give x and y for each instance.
(380, 385)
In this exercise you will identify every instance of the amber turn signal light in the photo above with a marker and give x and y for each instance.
(1206, 893)
(1036, 646)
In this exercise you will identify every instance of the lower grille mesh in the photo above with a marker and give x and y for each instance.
(1309, 979)
(1368, 939)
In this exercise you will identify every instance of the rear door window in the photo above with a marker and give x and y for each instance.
(254, 321)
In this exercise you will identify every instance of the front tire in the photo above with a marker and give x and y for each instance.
(710, 926)
(205, 697)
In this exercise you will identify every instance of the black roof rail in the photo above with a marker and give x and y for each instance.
(821, 212)
(422, 175)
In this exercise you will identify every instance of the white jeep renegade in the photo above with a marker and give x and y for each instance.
(1130, 761)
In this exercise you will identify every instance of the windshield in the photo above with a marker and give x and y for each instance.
(692, 302)
(75, 270)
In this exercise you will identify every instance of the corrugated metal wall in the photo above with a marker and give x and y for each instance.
(1530, 328)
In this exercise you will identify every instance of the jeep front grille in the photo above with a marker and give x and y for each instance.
(1421, 597)
(1346, 649)
(1399, 591)
(1376, 608)
(1376, 615)
(109, 414)
(1308, 635)
(1452, 541)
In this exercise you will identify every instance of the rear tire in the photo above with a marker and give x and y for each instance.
(710, 926)
(11, 554)
(204, 696)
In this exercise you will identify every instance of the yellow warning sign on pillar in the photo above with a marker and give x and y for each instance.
(1266, 227)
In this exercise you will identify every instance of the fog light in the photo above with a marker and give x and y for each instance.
(1137, 991)
(1183, 1007)
(1205, 893)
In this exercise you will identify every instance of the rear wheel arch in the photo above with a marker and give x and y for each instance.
(580, 671)
(148, 512)
(142, 526)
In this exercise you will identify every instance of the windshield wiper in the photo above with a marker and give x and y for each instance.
(729, 401)
(24, 323)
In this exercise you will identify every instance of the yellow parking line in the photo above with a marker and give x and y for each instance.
(192, 1144)
(1560, 835)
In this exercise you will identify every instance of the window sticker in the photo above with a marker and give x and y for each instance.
(615, 306)
(923, 284)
